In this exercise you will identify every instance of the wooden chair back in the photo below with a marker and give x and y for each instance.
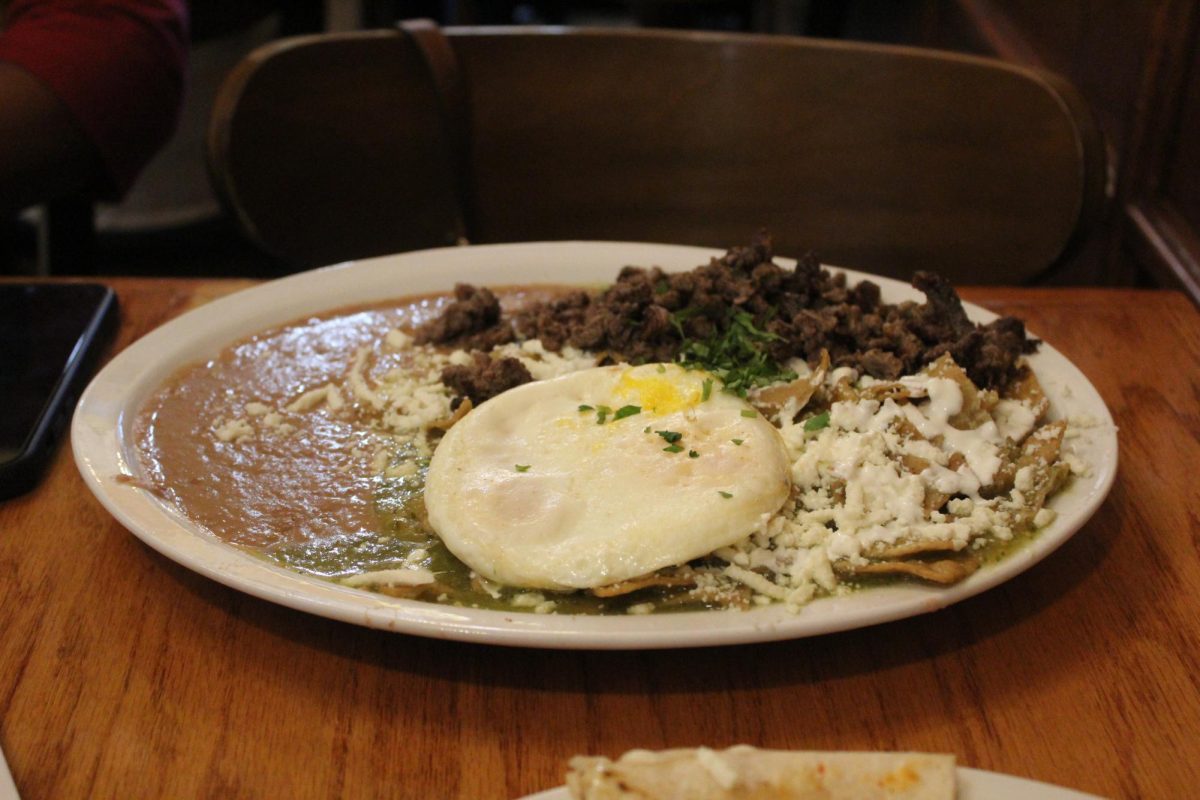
(882, 158)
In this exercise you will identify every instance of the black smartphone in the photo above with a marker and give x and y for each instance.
(51, 337)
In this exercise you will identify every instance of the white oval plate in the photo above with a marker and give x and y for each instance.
(104, 446)
(973, 784)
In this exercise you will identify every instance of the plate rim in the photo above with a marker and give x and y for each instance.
(99, 442)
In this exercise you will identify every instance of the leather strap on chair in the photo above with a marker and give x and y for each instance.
(438, 55)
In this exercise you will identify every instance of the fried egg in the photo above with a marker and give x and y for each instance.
(603, 475)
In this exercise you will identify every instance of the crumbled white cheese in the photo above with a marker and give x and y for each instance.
(756, 582)
(397, 339)
(863, 459)
(542, 363)
(1077, 465)
(358, 380)
(233, 430)
(853, 416)
(309, 400)
(401, 470)
(390, 577)
(961, 506)
(1014, 419)
(527, 600)
(411, 398)
(257, 409)
(461, 358)
(413, 407)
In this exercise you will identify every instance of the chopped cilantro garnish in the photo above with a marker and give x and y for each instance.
(736, 352)
(681, 316)
(662, 287)
(673, 448)
(706, 391)
(626, 411)
(661, 369)
(726, 495)
(602, 413)
(693, 454)
(670, 436)
(738, 442)
(586, 408)
(646, 429)
(816, 423)
(749, 412)
(521, 467)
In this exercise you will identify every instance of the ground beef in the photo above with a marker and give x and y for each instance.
(646, 314)
(484, 378)
(471, 321)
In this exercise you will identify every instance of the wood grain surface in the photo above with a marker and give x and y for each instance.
(124, 675)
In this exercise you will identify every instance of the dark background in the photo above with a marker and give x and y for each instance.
(1136, 62)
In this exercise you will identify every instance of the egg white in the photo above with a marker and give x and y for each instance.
(531, 491)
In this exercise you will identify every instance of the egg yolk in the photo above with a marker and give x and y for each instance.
(657, 393)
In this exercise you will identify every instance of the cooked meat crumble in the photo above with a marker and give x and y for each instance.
(472, 320)
(484, 378)
(647, 315)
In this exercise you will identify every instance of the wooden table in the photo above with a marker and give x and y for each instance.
(124, 675)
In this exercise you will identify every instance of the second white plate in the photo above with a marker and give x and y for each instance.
(973, 784)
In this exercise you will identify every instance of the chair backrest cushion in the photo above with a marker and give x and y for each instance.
(331, 148)
(882, 158)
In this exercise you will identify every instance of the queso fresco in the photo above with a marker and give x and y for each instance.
(736, 435)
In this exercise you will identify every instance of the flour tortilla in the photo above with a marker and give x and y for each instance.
(746, 773)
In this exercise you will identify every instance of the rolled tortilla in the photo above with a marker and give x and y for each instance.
(746, 773)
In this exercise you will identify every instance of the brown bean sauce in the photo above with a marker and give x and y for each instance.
(311, 499)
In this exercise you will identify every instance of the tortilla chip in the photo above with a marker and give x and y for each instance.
(1026, 388)
(774, 399)
(944, 571)
(976, 405)
(745, 773)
